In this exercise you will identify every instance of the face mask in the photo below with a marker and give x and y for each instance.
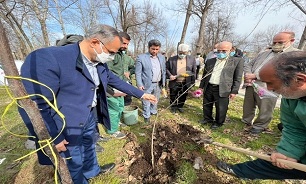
(232, 53)
(221, 55)
(278, 47)
(181, 56)
(103, 57)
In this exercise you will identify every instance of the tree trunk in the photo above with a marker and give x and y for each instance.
(200, 42)
(188, 14)
(302, 44)
(60, 18)
(42, 16)
(30, 107)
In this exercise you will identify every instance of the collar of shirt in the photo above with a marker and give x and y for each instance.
(153, 56)
(88, 62)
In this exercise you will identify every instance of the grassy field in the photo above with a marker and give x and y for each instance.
(232, 133)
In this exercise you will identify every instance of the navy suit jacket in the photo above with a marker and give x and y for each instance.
(63, 70)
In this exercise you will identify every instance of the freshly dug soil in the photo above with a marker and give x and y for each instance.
(173, 144)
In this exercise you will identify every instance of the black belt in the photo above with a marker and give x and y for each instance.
(214, 85)
(155, 82)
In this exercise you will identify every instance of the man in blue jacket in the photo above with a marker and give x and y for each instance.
(285, 74)
(150, 71)
(78, 75)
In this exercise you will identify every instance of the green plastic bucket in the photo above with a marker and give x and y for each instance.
(130, 115)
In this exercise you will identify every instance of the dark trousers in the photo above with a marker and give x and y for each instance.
(261, 169)
(197, 71)
(177, 96)
(211, 97)
(83, 163)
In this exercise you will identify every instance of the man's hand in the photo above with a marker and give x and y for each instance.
(248, 77)
(275, 156)
(232, 96)
(141, 88)
(119, 94)
(61, 146)
(127, 75)
(149, 97)
(172, 77)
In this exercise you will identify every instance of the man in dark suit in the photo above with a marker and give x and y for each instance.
(220, 81)
(176, 67)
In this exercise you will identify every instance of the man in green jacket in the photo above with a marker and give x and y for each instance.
(119, 66)
(284, 74)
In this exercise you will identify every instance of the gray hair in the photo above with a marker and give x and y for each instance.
(288, 65)
(104, 32)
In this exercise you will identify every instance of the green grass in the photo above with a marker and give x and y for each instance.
(186, 173)
(29, 171)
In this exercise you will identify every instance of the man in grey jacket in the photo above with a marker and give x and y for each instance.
(282, 42)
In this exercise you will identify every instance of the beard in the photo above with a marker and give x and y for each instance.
(289, 94)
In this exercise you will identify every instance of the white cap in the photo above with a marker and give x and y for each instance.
(183, 48)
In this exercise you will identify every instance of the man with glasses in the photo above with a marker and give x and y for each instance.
(220, 82)
(282, 42)
(150, 73)
(78, 76)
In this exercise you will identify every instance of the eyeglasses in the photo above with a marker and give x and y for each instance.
(110, 52)
(281, 42)
(224, 51)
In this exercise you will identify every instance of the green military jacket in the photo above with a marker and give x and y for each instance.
(293, 140)
(122, 63)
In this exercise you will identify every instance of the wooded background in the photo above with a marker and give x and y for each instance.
(34, 24)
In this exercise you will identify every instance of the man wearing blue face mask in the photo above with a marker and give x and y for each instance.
(220, 82)
(78, 75)
(176, 67)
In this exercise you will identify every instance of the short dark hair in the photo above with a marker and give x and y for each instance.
(288, 64)
(154, 42)
(124, 35)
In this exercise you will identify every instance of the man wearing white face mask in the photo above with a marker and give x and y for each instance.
(220, 82)
(282, 42)
(178, 66)
(78, 76)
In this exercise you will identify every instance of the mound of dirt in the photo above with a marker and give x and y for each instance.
(173, 144)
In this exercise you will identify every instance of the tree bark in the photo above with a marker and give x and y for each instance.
(200, 42)
(30, 107)
(302, 44)
(188, 14)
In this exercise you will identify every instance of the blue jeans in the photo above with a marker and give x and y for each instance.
(83, 164)
(148, 107)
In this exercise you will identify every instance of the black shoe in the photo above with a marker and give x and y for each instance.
(226, 168)
(204, 121)
(181, 110)
(215, 126)
(103, 139)
(147, 120)
(99, 148)
(106, 168)
(173, 110)
(280, 126)
(256, 131)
